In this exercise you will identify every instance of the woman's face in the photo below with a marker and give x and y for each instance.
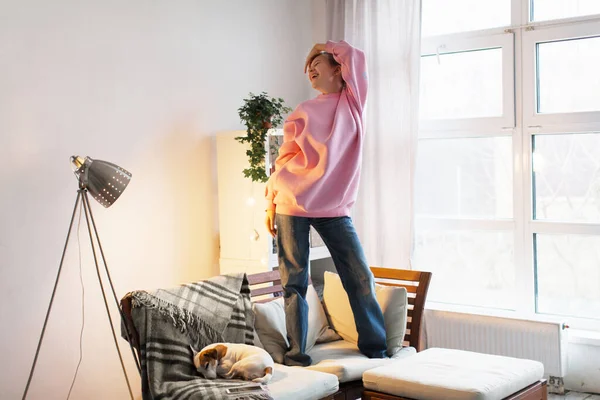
(322, 75)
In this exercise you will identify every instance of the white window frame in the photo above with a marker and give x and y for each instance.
(440, 45)
(522, 123)
(544, 34)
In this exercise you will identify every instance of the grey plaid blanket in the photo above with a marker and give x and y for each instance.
(198, 314)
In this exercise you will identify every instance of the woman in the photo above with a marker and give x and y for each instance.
(315, 183)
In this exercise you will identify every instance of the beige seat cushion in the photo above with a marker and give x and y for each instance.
(447, 374)
(344, 360)
(295, 383)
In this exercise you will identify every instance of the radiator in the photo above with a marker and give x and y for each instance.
(541, 341)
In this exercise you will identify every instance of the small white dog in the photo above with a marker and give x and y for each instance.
(234, 360)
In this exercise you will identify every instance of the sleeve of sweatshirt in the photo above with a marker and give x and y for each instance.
(354, 69)
(270, 194)
(287, 151)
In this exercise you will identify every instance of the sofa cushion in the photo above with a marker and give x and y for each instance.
(344, 360)
(257, 341)
(393, 303)
(454, 374)
(318, 324)
(295, 383)
(270, 325)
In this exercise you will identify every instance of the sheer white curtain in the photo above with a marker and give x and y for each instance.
(388, 31)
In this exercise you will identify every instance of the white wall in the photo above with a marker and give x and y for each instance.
(319, 21)
(144, 84)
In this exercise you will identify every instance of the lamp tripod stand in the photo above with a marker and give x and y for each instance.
(95, 179)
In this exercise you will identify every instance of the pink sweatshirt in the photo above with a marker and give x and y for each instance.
(318, 168)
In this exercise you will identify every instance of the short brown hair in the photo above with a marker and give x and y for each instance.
(329, 58)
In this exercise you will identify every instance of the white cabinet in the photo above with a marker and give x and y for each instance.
(245, 244)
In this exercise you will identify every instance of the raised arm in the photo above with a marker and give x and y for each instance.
(354, 69)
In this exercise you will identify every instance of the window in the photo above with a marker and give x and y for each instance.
(566, 173)
(471, 267)
(507, 186)
(542, 10)
(568, 79)
(567, 274)
(465, 177)
(475, 78)
(441, 17)
(475, 74)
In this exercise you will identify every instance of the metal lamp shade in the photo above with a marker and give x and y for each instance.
(105, 181)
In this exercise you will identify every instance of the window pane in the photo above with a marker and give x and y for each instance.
(568, 79)
(466, 177)
(469, 267)
(462, 85)
(568, 275)
(567, 177)
(440, 17)
(543, 10)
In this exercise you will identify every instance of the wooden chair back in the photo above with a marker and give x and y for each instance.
(417, 286)
(266, 286)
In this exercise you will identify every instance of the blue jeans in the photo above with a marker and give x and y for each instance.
(346, 251)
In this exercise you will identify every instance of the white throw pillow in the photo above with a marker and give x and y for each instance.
(269, 323)
(257, 341)
(392, 300)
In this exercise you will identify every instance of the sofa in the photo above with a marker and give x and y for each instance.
(338, 366)
(340, 372)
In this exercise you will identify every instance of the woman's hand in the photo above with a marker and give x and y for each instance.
(270, 222)
(317, 48)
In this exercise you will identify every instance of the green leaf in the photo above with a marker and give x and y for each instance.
(254, 113)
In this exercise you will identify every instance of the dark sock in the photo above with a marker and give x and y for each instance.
(297, 360)
(375, 354)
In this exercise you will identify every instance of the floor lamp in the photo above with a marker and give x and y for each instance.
(105, 182)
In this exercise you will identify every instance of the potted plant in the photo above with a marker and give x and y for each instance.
(259, 113)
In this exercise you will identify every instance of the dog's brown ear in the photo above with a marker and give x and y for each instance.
(212, 353)
(221, 351)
